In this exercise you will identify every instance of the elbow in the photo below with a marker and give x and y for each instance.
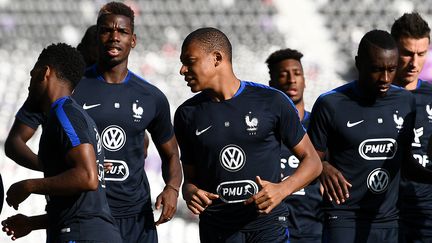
(318, 169)
(8, 147)
(90, 182)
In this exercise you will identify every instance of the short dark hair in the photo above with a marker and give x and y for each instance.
(211, 39)
(65, 60)
(410, 25)
(376, 38)
(116, 8)
(281, 55)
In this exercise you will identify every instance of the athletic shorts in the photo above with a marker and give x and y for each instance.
(360, 234)
(138, 228)
(211, 234)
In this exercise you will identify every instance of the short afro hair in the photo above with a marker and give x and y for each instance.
(375, 38)
(211, 39)
(410, 25)
(65, 60)
(116, 8)
(281, 55)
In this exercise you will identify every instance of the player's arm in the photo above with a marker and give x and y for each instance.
(271, 194)
(172, 175)
(17, 149)
(335, 186)
(82, 176)
(20, 225)
(197, 200)
(413, 170)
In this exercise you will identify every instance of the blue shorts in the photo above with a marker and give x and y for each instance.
(94, 230)
(138, 228)
(360, 234)
(417, 226)
(211, 234)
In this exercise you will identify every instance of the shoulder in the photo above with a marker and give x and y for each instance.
(335, 95)
(144, 86)
(399, 92)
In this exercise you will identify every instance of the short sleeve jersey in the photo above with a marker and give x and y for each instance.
(123, 112)
(229, 143)
(367, 142)
(304, 217)
(68, 126)
(31, 119)
(417, 197)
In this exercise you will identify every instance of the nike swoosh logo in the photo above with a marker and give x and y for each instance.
(202, 131)
(349, 124)
(86, 107)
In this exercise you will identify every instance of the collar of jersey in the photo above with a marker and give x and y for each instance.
(419, 83)
(59, 102)
(99, 76)
(240, 90)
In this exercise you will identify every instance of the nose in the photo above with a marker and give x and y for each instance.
(414, 60)
(114, 35)
(183, 70)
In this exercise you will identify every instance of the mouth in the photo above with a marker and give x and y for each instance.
(113, 51)
(383, 87)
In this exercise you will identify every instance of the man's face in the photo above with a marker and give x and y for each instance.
(198, 66)
(412, 57)
(378, 69)
(287, 76)
(36, 88)
(115, 39)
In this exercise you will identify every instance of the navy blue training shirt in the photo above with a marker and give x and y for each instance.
(231, 142)
(304, 214)
(367, 142)
(68, 126)
(123, 112)
(416, 198)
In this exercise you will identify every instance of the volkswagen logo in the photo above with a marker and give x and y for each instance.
(113, 138)
(232, 158)
(378, 180)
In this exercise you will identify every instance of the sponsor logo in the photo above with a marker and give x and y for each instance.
(113, 138)
(398, 120)
(197, 132)
(349, 124)
(137, 110)
(232, 158)
(429, 111)
(119, 170)
(378, 149)
(378, 180)
(101, 174)
(98, 141)
(86, 107)
(422, 159)
(417, 134)
(236, 191)
(251, 123)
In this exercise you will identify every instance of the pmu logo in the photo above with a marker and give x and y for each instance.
(236, 191)
(118, 172)
(232, 158)
(113, 138)
(378, 149)
(378, 180)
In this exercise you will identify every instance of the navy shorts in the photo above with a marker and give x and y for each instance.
(416, 226)
(305, 239)
(211, 234)
(138, 228)
(360, 234)
(93, 230)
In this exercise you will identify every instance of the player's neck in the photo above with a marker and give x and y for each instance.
(115, 74)
(408, 85)
(225, 89)
(54, 95)
(300, 108)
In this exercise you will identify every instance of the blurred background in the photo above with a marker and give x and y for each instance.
(327, 32)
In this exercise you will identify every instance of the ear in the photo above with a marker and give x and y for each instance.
(48, 71)
(218, 58)
(133, 43)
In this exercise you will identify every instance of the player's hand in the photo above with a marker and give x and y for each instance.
(107, 166)
(168, 200)
(268, 197)
(17, 226)
(198, 200)
(334, 183)
(17, 193)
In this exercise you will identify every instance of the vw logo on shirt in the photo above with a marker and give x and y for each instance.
(113, 138)
(232, 158)
(378, 180)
